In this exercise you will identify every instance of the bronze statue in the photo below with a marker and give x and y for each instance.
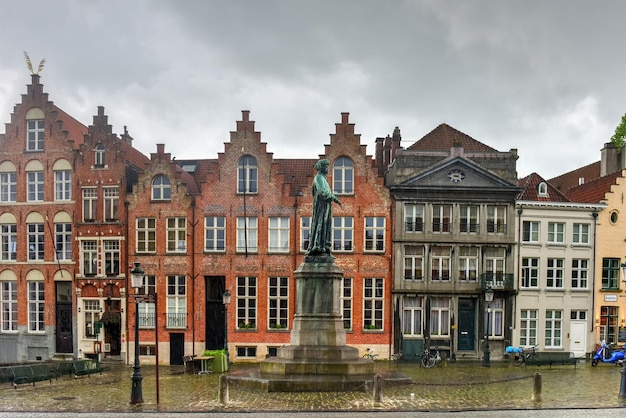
(320, 239)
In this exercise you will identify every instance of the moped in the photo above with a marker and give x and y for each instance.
(607, 354)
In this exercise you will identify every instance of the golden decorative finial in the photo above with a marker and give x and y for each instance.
(29, 64)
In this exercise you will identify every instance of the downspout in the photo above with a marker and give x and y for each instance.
(593, 268)
(126, 251)
(392, 348)
(520, 211)
(193, 275)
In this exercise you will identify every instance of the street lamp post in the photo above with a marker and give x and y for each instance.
(486, 351)
(226, 300)
(136, 392)
(622, 385)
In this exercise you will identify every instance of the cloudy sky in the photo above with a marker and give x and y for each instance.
(545, 77)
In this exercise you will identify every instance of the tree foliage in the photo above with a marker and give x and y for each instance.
(619, 138)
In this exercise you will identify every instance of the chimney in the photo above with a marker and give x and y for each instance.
(610, 159)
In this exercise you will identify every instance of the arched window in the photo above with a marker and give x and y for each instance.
(34, 129)
(99, 155)
(343, 176)
(8, 182)
(161, 188)
(247, 175)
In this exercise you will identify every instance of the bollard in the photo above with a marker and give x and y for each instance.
(378, 388)
(223, 391)
(536, 387)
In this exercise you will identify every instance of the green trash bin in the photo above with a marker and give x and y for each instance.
(219, 363)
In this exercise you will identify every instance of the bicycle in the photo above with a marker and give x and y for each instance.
(429, 360)
(527, 355)
(369, 354)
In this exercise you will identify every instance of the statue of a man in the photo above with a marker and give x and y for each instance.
(320, 239)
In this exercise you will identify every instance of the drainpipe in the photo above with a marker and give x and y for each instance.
(193, 276)
(593, 269)
(126, 251)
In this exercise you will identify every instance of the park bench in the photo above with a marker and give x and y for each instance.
(62, 368)
(85, 367)
(41, 372)
(553, 358)
(6, 375)
(21, 375)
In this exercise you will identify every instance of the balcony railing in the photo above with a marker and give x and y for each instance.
(145, 320)
(497, 281)
(177, 320)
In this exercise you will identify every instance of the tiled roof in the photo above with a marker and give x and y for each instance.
(593, 191)
(530, 185)
(444, 137)
(572, 179)
(297, 173)
(75, 129)
(134, 156)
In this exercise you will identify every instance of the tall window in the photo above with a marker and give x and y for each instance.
(608, 323)
(89, 250)
(494, 318)
(176, 235)
(246, 302)
(35, 135)
(580, 273)
(442, 218)
(414, 262)
(469, 218)
(468, 263)
(610, 273)
(554, 326)
(556, 233)
(555, 273)
(530, 272)
(374, 233)
(528, 327)
(161, 188)
(62, 185)
(147, 309)
(413, 218)
(8, 305)
(530, 231)
(63, 241)
(111, 257)
(99, 155)
(92, 315)
(247, 234)
(35, 186)
(412, 314)
(9, 241)
(581, 234)
(494, 263)
(90, 200)
(146, 235)
(8, 186)
(278, 234)
(214, 233)
(343, 176)
(342, 233)
(247, 175)
(176, 302)
(111, 204)
(305, 232)
(278, 303)
(36, 307)
(496, 219)
(440, 317)
(346, 302)
(440, 263)
(35, 242)
(373, 303)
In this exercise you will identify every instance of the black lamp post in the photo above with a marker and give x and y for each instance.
(136, 392)
(622, 385)
(486, 351)
(226, 300)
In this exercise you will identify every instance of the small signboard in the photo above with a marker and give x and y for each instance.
(610, 298)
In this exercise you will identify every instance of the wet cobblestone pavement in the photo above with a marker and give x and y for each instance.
(457, 387)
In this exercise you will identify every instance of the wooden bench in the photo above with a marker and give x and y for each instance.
(85, 368)
(553, 358)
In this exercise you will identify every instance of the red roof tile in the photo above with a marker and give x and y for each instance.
(444, 137)
(566, 181)
(530, 185)
(593, 191)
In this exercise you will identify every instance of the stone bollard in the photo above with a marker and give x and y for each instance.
(536, 387)
(223, 390)
(378, 388)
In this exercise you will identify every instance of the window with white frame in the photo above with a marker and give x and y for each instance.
(8, 305)
(373, 303)
(111, 204)
(90, 201)
(374, 233)
(554, 274)
(111, 257)
(343, 176)
(91, 309)
(556, 233)
(414, 262)
(161, 188)
(342, 233)
(247, 175)
(278, 234)
(214, 233)
(99, 155)
(305, 232)
(35, 242)
(469, 218)
(246, 302)
(247, 234)
(34, 181)
(146, 235)
(468, 263)
(580, 273)
(528, 327)
(346, 302)
(63, 241)
(176, 235)
(495, 258)
(413, 217)
(278, 302)
(176, 301)
(62, 185)
(8, 236)
(494, 318)
(442, 218)
(34, 135)
(36, 307)
(542, 189)
(554, 327)
(496, 219)
(440, 263)
(89, 257)
(581, 234)
(440, 317)
(530, 272)
(147, 308)
(8, 186)
(530, 231)
(412, 314)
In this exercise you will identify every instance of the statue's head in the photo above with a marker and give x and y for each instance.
(321, 163)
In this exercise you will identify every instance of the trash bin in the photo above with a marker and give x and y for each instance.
(219, 363)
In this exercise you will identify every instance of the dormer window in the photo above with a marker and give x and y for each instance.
(542, 189)
(99, 156)
(161, 188)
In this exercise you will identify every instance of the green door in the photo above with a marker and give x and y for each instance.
(467, 325)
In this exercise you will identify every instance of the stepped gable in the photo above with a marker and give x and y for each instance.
(444, 137)
(594, 191)
(184, 177)
(572, 179)
(530, 185)
(75, 129)
(298, 174)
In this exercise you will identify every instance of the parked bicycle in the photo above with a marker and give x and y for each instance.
(429, 359)
(523, 355)
(369, 354)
